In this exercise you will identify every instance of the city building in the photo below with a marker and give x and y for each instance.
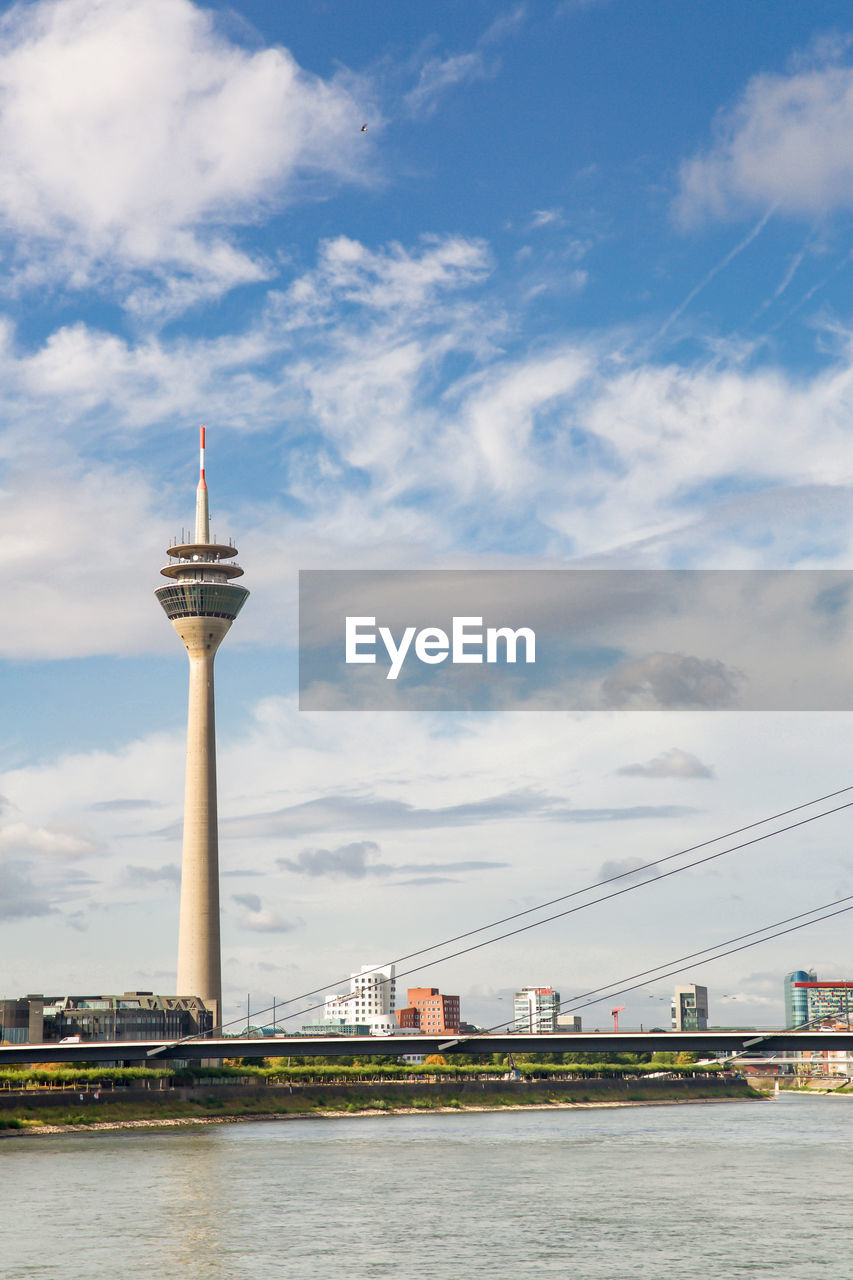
(535, 1009)
(826, 1002)
(429, 1011)
(569, 1022)
(368, 1008)
(796, 997)
(201, 602)
(135, 1015)
(340, 1027)
(690, 1008)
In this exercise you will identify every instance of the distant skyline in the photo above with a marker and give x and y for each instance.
(578, 295)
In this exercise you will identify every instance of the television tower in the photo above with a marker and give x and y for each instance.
(201, 603)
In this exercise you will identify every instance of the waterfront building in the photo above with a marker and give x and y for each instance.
(827, 1002)
(339, 1027)
(569, 1022)
(796, 997)
(370, 1003)
(135, 1015)
(429, 1011)
(201, 602)
(690, 1008)
(535, 1010)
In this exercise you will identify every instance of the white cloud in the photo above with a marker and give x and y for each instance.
(55, 840)
(407, 434)
(673, 763)
(144, 876)
(438, 75)
(628, 869)
(132, 134)
(20, 896)
(545, 218)
(349, 860)
(586, 448)
(54, 528)
(287, 758)
(394, 280)
(258, 918)
(788, 143)
(671, 680)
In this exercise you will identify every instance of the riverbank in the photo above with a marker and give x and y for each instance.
(65, 1111)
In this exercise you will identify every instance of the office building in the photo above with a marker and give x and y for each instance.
(690, 1008)
(535, 1010)
(427, 1010)
(370, 1005)
(201, 602)
(827, 1002)
(796, 997)
(135, 1015)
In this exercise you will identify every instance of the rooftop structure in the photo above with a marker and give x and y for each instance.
(201, 601)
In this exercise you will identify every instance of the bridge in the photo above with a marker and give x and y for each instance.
(157, 1052)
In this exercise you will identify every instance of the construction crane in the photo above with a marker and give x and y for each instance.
(615, 1013)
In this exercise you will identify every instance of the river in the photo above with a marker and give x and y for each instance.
(727, 1189)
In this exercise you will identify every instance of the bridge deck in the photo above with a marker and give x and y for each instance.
(158, 1052)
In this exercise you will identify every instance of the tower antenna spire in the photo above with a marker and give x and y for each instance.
(202, 514)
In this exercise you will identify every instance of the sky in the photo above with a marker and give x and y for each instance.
(577, 296)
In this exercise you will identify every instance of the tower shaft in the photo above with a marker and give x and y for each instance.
(201, 601)
(199, 950)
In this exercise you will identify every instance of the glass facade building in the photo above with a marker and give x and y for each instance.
(796, 997)
(827, 1001)
(135, 1015)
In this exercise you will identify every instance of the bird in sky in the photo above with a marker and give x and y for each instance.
(364, 128)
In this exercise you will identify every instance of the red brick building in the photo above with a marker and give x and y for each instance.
(429, 1011)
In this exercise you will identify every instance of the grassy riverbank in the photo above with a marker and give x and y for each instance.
(33, 1110)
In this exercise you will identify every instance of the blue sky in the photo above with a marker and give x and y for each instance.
(578, 295)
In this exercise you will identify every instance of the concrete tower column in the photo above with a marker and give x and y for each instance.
(201, 603)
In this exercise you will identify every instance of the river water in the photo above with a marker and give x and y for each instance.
(637, 1193)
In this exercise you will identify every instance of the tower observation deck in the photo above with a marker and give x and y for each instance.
(201, 601)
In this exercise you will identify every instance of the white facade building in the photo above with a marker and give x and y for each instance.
(535, 1010)
(371, 1001)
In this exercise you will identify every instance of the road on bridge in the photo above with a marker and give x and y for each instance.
(709, 1043)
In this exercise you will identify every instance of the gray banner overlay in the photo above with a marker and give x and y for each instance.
(575, 639)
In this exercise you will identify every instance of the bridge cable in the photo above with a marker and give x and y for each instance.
(652, 974)
(633, 872)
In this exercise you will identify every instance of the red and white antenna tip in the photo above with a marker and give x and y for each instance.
(202, 483)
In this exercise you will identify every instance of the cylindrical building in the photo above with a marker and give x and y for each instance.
(201, 602)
